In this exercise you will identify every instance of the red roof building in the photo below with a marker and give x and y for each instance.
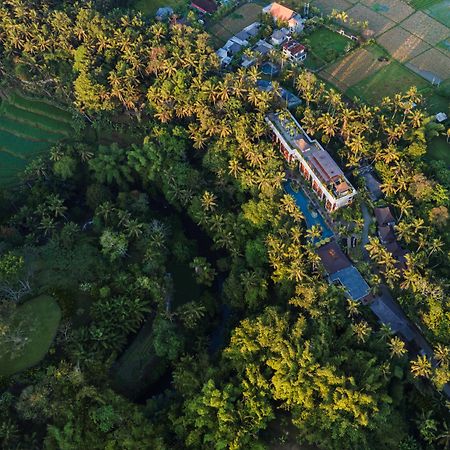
(294, 50)
(204, 6)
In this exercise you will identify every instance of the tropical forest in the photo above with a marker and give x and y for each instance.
(165, 277)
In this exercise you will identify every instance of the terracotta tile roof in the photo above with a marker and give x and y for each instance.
(281, 12)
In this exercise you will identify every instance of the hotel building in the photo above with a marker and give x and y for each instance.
(315, 164)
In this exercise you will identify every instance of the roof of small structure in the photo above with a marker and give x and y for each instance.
(281, 12)
(386, 233)
(333, 258)
(384, 215)
(387, 316)
(209, 6)
(352, 281)
(294, 47)
(164, 11)
(243, 35)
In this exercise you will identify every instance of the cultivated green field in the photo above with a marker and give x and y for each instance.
(327, 45)
(388, 81)
(28, 127)
(43, 314)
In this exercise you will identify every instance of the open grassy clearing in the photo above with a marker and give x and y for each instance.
(28, 127)
(43, 314)
(388, 81)
(327, 45)
(235, 22)
(149, 7)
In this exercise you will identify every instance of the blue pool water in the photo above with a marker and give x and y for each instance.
(303, 202)
(269, 68)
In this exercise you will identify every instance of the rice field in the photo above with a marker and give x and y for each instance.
(395, 10)
(440, 11)
(354, 67)
(28, 127)
(388, 81)
(433, 61)
(401, 44)
(425, 27)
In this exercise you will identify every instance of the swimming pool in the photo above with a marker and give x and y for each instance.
(269, 68)
(303, 203)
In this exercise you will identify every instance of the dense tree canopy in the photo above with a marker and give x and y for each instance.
(183, 270)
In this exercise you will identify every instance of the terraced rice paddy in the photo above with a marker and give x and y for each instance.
(28, 127)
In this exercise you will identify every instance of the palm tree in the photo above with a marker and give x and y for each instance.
(421, 367)
(209, 201)
(234, 167)
(442, 354)
(385, 332)
(353, 308)
(404, 205)
(397, 347)
(362, 330)
(444, 438)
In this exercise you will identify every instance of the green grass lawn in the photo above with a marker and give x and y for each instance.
(422, 4)
(388, 81)
(149, 7)
(326, 44)
(45, 315)
(438, 148)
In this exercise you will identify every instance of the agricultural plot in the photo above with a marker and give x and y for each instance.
(426, 28)
(235, 22)
(326, 6)
(328, 45)
(28, 127)
(401, 44)
(440, 11)
(395, 10)
(377, 23)
(444, 45)
(353, 68)
(433, 61)
(390, 80)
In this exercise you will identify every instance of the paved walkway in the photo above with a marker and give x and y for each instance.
(365, 233)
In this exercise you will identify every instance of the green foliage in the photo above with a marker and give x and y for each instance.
(27, 332)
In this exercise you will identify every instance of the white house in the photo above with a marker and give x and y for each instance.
(280, 36)
(294, 51)
(314, 162)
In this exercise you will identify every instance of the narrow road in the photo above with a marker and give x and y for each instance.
(365, 233)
